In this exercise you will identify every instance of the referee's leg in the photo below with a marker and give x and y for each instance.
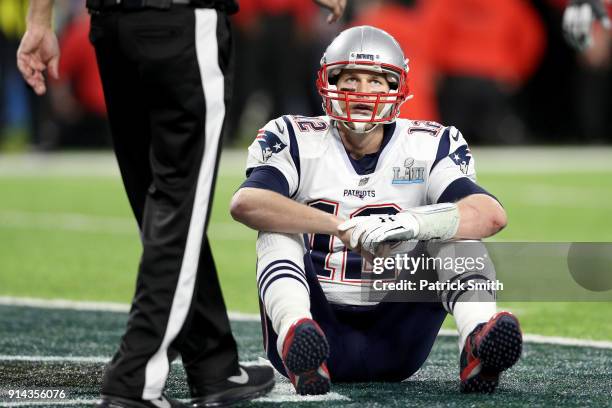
(206, 316)
(165, 93)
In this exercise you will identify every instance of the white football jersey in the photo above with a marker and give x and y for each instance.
(415, 166)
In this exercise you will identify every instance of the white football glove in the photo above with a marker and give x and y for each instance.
(438, 221)
(373, 230)
(578, 18)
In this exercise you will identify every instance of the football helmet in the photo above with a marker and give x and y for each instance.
(363, 48)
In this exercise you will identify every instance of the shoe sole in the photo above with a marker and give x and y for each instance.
(308, 351)
(226, 399)
(107, 401)
(499, 350)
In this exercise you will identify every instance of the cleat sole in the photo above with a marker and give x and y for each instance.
(501, 347)
(308, 350)
(498, 349)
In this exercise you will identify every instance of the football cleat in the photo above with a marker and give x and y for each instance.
(305, 350)
(490, 348)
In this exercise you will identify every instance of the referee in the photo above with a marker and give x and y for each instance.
(166, 72)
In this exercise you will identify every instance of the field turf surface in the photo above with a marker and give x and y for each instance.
(66, 231)
(546, 376)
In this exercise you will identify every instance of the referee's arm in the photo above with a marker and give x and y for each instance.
(38, 50)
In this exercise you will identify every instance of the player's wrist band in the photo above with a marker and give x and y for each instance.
(436, 221)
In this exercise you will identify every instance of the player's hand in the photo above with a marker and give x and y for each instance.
(38, 51)
(578, 19)
(372, 231)
(345, 236)
(335, 6)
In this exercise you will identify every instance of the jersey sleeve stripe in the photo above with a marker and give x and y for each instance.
(443, 148)
(294, 151)
(267, 178)
(461, 188)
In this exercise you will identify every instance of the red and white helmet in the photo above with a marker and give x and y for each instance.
(363, 48)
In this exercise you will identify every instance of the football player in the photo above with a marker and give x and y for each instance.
(350, 181)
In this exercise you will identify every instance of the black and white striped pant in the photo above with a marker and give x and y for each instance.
(166, 76)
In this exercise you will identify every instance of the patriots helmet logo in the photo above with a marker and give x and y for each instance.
(269, 143)
(461, 157)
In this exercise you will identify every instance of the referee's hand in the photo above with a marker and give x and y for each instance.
(335, 6)
(38, 51)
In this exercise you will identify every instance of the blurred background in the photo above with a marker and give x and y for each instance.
(498, 70)
(536, 113)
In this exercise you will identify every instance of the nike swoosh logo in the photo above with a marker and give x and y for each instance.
(243, 378)
(280, 127)
(161, 403)
(456, 136)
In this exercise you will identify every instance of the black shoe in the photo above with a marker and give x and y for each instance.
(111, 401)
(251, 382)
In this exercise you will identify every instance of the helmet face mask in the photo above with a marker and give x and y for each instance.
(365, 49)
(385, 106)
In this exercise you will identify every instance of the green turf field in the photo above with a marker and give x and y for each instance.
(66, 229)
(70, 356)
(66, 232)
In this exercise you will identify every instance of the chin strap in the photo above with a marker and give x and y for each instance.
(359, 127)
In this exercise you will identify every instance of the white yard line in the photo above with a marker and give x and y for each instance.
(84, 164)
(47, 403)
(100, 224)
(247, 317)
(561, 197)
(542, 159)
(95, 306)
(282, 392)
(68, 222)
(554, 340)
(526, 159)
(89, 359)
(57, 359)
(64, 304)
(567, 341)
(573, 203)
